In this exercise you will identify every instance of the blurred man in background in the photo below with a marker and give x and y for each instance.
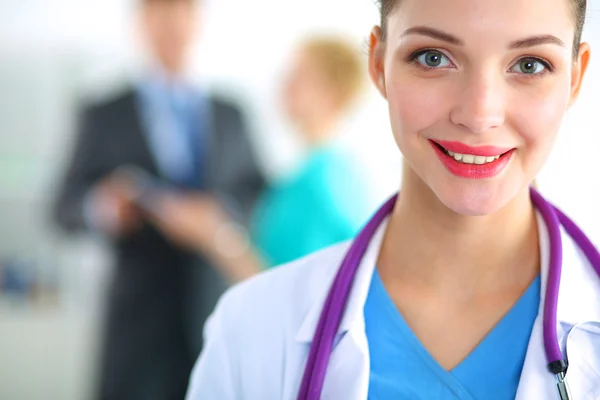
(187, 140)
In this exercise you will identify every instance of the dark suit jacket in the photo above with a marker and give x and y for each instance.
(160, 295)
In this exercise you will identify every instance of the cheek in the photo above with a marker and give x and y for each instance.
(415, 106)
(290, 99)
(298, 95)
(537, 116)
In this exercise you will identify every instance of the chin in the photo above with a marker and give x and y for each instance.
(473, 199)
(292, 113)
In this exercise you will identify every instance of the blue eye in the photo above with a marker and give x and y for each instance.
(433, 59)
(529, 66)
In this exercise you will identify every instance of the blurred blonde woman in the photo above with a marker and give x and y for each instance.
(324, 201)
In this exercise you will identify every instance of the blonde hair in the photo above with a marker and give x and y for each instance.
(341, 64)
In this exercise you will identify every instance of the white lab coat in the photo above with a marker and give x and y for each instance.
(257, 340)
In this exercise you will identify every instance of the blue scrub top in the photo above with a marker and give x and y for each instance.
(325, 202)
(401, 367)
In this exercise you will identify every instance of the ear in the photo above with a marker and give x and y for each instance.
(578, 72)
(376, 58)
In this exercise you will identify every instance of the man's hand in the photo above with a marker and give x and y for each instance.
(200, 223)
(190, 220)
(112, 209)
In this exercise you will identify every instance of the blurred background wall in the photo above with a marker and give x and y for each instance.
(54, 53)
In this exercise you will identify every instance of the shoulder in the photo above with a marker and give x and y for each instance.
(109, 105)
(251, 334)
(228, 114)
(280, 298)
(578, 240)
(580, 249)
(579, 279)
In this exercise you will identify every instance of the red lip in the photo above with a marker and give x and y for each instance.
(474, 171)
(461, 148)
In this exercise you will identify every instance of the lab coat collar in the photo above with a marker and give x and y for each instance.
(353, 316)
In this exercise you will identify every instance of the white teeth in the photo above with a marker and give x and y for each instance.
(472, 159)
(468, 158)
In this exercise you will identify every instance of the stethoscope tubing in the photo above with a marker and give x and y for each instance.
(337, 298)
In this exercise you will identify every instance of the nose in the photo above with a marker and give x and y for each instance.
(481, 103)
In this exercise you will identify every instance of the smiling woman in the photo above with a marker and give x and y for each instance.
(438, 297)
(517, 81)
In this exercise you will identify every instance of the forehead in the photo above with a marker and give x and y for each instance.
(487, 20)
(166, 5)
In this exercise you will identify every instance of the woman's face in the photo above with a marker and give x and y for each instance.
(477, 91)
(306, 93)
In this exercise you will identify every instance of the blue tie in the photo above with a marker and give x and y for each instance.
(184, 107)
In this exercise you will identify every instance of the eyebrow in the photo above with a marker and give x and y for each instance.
(434, 33)
(536, 41)
(447, 37)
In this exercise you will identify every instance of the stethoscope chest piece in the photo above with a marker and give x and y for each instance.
(563, 387)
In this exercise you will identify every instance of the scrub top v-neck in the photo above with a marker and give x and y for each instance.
(401, 367)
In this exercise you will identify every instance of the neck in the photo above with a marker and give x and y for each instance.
(319, 130)
(429, 245)
(170, 70)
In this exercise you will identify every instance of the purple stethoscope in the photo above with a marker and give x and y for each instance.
(333, 309)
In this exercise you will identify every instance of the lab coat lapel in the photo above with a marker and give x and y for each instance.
(579, 316)
(348, 370)
(536, 381)
(579, 320)
(583, 375)
(583, 350)
(578, 328)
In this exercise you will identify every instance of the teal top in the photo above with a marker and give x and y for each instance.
(402, 368)
(325, 202)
